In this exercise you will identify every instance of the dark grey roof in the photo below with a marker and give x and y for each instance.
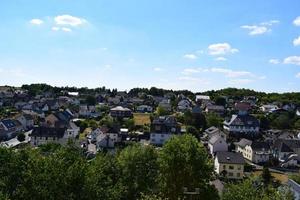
(230, 157)
(214, 139)
(243, 120)
(258, 145)
(48, 132)
(288, 145)
(243, 142)
(255, 145)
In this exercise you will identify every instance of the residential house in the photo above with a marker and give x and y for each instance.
(184, 105)
(166, 104)
(9, 128)
(229, 165)
(197, 109)
(287, 151)
(162, 129)
(242, 125)
(213, 131)
(202, 98)
(108, 139)
(26, 120)
(120, 112)
(217, 143)
(255, 151)
(217, 109)
(88, 111)
(144, 109)
(44, 135)
(59, 119)
(268, 108)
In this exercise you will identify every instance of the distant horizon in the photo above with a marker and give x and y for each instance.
(195, 44)
(128, 89)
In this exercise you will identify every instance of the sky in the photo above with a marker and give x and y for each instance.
(173, 44)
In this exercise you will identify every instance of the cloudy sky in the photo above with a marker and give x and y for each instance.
(179, 44)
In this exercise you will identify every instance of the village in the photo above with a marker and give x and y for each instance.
(234, 130)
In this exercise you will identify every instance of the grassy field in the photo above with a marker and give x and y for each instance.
(283, 178)
(141, 119)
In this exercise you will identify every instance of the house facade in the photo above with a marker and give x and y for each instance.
(44, 135)
(256, 152)
(242, 124)
(229, 165)
(217, 143)
(162, 129)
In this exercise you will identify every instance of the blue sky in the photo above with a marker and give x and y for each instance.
(176, 44)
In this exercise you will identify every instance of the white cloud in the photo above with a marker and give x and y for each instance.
(221, 59)
(36, 21)
(274, 61)
(231, 73)
(66, 29)
(261, 28)
(270, 23)
(296, 41)
(256, 30)
(294, 60)
(193, 80)
(158, 69)
(190, 56)
(69, 20)
(296, 22)
(298, 75)
(55, 28)
(221, 49)
(238, 82)
(188, 71)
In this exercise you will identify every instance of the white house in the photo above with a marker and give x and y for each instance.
(255, 151)
(229, 165)
(162, 129)
(217, 143)
(246, 124)
(268, 108)
(44, 135)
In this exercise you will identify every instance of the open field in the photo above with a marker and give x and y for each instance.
(141, 119)
(283, 178)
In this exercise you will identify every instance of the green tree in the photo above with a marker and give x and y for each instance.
(160, 111)
(282, 122)
(90, 100)
(139, 168)
(297, 124)
(103, 179)
(266, 176)
(253, 190)
(220, 101)
(183, 163)
(214, 120)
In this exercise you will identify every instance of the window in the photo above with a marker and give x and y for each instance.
(46, 138)
(224, 167)
(231, 167)
(238, 174)
(230, 174)
(239, 168)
